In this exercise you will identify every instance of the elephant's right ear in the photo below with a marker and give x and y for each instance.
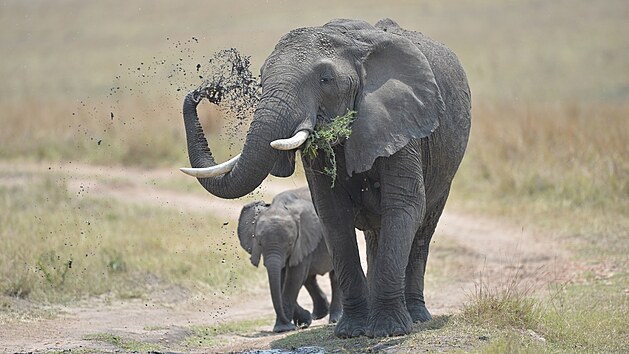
(246, 229)
(400, 99)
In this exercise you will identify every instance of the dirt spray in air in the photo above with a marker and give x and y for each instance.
(231, 86)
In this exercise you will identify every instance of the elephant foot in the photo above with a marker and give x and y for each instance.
(283, 327)
(320, 311)
(352, 324)
(419, 312)
(302, 318)
(335, 316)
(389, 320)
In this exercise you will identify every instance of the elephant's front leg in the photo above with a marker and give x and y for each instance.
(335, 211)
(403, 207)
(295, 278)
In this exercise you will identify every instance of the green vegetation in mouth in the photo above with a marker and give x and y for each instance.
(325, 136)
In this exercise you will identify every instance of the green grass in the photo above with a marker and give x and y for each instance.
(589, 317)
(209, 336)
(59, 246)
(122, 343)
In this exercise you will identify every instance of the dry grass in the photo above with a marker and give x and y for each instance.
(60, 246)
(569, 154)
(143, 132)
(508, 305)
(562, 166)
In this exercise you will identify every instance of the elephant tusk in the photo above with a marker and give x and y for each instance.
(291, 143)
(212, 171)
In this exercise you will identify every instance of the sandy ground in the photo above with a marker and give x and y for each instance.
(484, 249)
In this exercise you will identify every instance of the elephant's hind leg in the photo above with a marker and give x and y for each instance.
(301, 316)
(414, 292)
(416, 268)
(319, 301)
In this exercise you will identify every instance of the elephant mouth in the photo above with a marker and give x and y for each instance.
(334, 131)
(323, 119)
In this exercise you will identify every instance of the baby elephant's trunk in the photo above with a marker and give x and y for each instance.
(274, 265)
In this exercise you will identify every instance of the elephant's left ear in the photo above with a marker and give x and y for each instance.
(310, 234)
(400, 100)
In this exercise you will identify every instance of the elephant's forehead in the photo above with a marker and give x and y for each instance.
(302, 44)
(274, 220)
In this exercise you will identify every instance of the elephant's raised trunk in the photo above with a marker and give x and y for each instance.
(243, 174)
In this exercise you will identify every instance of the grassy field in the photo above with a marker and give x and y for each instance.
(102, 83)
(60, 246)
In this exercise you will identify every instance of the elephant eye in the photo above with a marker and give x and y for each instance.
(326, 78)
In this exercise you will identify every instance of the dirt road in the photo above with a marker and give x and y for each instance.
(465, 249)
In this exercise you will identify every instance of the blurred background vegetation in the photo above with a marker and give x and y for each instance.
(102, 82)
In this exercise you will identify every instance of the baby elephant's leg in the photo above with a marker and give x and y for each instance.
(319, 301)
(336, 307)
(301, 317)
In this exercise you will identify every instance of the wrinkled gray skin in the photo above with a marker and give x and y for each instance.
(288, 234)
(394, 171)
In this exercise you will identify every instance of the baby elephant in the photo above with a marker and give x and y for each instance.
(288, 234)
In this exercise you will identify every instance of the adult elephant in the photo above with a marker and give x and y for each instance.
(288, 234)
(394, 172)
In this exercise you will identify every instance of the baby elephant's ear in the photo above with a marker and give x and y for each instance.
(246, 228)
(400, 100)
(310, 233)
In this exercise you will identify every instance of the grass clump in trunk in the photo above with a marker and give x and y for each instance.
(325, 137)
